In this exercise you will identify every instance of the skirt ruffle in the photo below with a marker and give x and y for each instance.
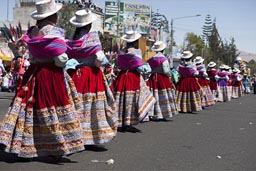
(98, 114)
(133, 98)
(189, 95)
(164, 93)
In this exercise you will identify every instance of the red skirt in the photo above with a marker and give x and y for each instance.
(236, 83)
(98, 117)
(203, 82)
(133, 97)
(160, 82)
(47, 84)
(88, 79)
(130, 80)
(42, 119)
(188, 84)
(189, 95)
(213, 85)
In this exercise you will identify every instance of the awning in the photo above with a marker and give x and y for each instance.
(6, 58)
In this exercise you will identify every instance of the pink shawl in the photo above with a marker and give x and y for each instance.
(156, 60)
(43, 47)
(129, 61)
(87, 46)
(187, 71)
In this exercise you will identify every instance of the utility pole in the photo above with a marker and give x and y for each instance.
(171, 41)
(7, 10)
(172, 30)
(118, 17)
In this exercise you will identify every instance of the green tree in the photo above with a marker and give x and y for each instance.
(194, 43)
(215, 44)
(65, 14)
(215, 49)
(207, 28)
(252, 65)
(230, 52)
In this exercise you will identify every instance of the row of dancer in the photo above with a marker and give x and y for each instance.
(62, 105)
(225, 83)
(64, 101)
(55, 113)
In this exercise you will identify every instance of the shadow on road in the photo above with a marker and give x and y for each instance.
(12, 158)
(95, 148)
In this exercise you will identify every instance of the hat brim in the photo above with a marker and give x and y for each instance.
(199, 62)
(187, 56)
(137, 36)
(213, 65)
(37, 16)
(159, 49)
(74, 23)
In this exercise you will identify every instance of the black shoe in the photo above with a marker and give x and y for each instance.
(132, 129)
(21, 159)
(53, 159)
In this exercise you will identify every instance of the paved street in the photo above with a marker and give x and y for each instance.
(221, 137)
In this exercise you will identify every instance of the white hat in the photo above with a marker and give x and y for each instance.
(186, 54)
(236, 70)
(212, 64)
(198, 60)
(158, 46)
(223, 66)
(227, 67)
(238, 58)
(131, 36)
(82, 18)
(45, 8)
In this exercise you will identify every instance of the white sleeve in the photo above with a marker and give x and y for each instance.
(61, 60)
(99, 58)
(166, 68)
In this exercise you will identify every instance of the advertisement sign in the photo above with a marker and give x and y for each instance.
(132, 16)
(137, 17)
(111, 16)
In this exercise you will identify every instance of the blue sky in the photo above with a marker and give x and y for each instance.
(234, 18)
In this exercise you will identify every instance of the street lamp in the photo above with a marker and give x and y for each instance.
(160, 22)
(171, 43)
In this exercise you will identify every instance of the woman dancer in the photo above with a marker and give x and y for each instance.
(212, 73)
(237, 86)
(188, 90)
(42, 119)
(161, 85)
(98, 113)
(203, 80)
(132, 95)
(222, 79)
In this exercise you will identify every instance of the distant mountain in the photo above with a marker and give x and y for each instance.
(247, 56)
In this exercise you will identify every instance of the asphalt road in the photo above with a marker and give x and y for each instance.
(221, 137)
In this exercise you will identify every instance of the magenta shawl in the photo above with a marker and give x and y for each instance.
(87, 46)
(156, 60)
(201, 68)
(129, 61)
(187, 71)
(222, 73)
(45, 47)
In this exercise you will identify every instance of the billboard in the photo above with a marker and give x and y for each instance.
(111, 16)
(132, 16)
